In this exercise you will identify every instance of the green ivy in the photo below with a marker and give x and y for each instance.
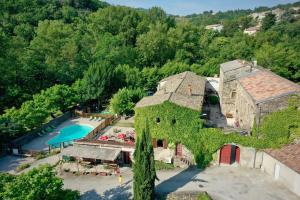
(204, 142)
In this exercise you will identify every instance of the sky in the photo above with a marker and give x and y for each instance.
(186, 7)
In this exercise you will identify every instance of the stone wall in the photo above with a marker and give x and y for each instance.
(250, 157)
(228, 86)
(187, 154)
(286, 175)
(245, 109)
(274, 104)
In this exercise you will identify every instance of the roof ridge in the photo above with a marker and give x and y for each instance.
(185, 73)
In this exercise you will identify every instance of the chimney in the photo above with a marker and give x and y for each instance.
(190, 89)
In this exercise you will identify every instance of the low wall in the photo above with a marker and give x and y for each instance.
(250, 157)
(104, 123)
(287, 176)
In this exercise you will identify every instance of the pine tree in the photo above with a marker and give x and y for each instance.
(144, 167)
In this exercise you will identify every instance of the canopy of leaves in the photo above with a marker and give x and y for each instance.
(35, 112)
(38, 183)
(124, 100)
(96, 49)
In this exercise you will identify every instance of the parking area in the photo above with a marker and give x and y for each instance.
(222, 183)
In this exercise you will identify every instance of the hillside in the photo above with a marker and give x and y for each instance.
(56, 54)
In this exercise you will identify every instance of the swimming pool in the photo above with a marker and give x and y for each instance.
(70, 133)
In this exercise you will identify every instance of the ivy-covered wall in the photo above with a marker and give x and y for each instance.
(204, 142)
(176, 123)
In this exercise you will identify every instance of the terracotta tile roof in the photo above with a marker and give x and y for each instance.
(288, 155)
(263, 85)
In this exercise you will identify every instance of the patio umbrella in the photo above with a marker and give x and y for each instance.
(103, 137)
(121, 136)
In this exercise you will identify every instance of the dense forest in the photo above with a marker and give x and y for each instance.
(58, 53)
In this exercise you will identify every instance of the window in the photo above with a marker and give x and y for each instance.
(160, 143)
(173, 121)
(233, 94)
(157, 120)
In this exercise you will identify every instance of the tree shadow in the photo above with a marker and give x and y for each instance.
(118, 193)
(90, 195)
(9, 163)
(178, 181)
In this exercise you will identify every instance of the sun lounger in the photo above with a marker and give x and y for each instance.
(49, 129)
(40, 134)
(99, 119)
(91, 118)
(52, 126)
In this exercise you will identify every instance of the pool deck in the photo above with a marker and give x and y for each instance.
(40, 143)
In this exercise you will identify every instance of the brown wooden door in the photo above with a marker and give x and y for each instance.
(178, 150)
(225, 154)
(126, 157)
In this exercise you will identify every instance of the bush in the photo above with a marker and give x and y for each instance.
(159, 165)
(204, 196)
(22, 167)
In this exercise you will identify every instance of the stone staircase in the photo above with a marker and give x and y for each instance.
(181, 162)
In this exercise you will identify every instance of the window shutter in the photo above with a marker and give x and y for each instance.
(154, 142)
(165, 143)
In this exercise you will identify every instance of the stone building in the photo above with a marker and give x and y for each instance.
(229, 74)
(215, 27)
(184, 92)
(249, 92)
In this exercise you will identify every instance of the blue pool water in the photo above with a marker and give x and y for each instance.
(70, 133)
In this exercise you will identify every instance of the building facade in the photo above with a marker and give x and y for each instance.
(249, 92)
(173, 111)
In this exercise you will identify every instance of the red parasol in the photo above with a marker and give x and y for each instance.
(121, 136)
(103, 137)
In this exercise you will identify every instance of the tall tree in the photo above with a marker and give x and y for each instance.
(97, 81)
(144, 167)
